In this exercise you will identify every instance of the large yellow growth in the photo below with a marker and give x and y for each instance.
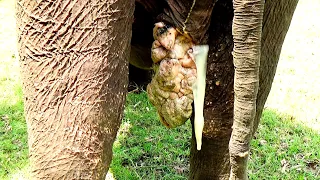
(170, 90)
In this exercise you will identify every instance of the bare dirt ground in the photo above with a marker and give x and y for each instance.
(296, 88)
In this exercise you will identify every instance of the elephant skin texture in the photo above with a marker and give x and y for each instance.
(74, 65)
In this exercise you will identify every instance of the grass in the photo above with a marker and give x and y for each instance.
(13, 136)
(282, 149)
(146, 149)
(285, 147)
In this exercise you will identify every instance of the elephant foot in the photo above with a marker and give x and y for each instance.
(170, 90)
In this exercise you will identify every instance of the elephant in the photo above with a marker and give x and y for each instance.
(74, 58)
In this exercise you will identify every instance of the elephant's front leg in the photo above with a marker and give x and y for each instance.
(74, 59)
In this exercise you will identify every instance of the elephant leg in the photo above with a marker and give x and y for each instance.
(276, 22)
(212, 162)
(247, 29)
(74, 65)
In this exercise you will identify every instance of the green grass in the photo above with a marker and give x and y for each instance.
(13, 133)
(145, 149)
(284, 149)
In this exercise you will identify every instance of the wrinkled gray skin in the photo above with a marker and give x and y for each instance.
(74, 60)
(74, 64)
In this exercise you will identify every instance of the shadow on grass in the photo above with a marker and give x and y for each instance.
(13, 135)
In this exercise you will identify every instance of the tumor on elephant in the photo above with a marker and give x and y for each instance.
(170, 90)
